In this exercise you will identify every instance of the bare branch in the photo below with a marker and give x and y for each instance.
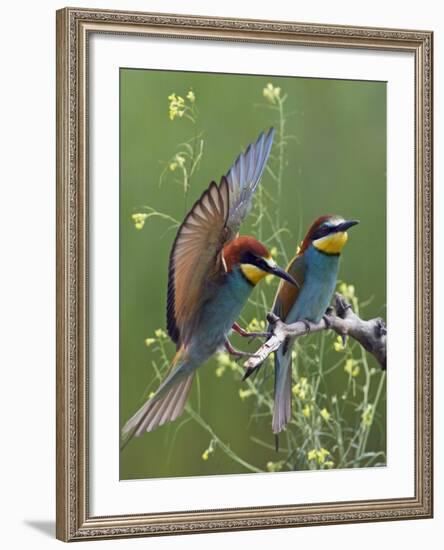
(372, 334)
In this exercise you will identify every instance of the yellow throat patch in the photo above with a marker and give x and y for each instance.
(333, 243)
(252, 273)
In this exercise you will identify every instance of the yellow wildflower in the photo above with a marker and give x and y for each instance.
(306, 411)
(191, 97)
(160, 333)
(256, 326)
(139, 219)
(180, 160)
(176, 106)
(351, 368)
(223, 359)
(348, 291)
(312, 454)
(367, 416)
(271, 93)
(302, 393)
(269, 278)
(325, 414)
(274, 252)
(274, 466)
(243, 394)
(320, 456)
(149, 342)
(338, 345)
(301, 389)
(206, 454)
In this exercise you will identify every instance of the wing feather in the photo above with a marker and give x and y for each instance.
(215, 218)
(244, 177)
(287, 294)
(194, 258)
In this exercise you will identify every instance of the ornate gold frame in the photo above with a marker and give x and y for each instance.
(74, 521)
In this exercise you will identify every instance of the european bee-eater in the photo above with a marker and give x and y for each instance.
(315, 269)
(212, 271)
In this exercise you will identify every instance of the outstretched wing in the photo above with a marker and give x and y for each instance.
(244, 177)
(195, 259)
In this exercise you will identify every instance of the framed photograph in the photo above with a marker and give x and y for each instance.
(244, 274)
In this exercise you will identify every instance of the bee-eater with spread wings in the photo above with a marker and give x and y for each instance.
(315, 269)
(212, 272)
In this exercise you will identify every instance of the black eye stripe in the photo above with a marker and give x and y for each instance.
(249, 258)
(322, 232)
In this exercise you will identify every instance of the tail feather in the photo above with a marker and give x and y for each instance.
(182, 398)
(282, 389)
(165, 405)
(163, 410)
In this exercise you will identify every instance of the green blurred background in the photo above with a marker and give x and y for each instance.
(336, 164)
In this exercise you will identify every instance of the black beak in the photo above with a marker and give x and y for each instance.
(279, 272)
(346, 225)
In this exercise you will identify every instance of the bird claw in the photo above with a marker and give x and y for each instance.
(246, 334)
(327, 320)
(306, 324)
(236, 352)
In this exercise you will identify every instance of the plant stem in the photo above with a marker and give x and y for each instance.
(197, 418)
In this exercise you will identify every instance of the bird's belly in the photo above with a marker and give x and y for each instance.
(312, 304)
(316, 293)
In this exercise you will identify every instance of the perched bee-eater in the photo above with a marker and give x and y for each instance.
(212, 271)
(315, 269)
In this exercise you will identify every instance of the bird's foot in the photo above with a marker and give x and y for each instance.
(306, 324)
(329, 324)
(327, 320)
(237, 352)
(246, 334)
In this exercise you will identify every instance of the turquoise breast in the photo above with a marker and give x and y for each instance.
(219, 313)
(319, 285)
